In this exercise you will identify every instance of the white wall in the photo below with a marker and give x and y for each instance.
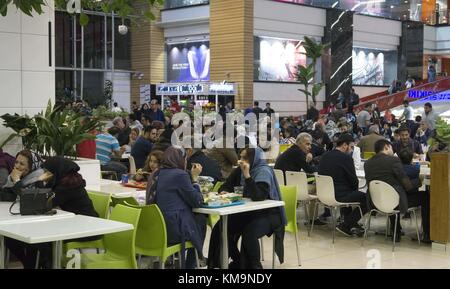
(27, 81)
(283, 20)
(377, 33)
(185, 22)
(285, 99)
(436, 40)
(121, 88)
(286, 20)
(364, 91)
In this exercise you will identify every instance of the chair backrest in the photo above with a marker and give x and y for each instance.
(121, 201)
(101, 203)
(152, 232)
(368, 155)
(289, 196)
(123, 243)
(217, 186)
(383, 196)
(325, 190)
(132, 165)
(300, 180)
(280, 177)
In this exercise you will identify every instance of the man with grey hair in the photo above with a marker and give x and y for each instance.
(124, 131)
(298, 157)
(367, 143)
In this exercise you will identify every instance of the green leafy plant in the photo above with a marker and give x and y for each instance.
(53, 132)
(442, 134)
(123, 8)
(307, 75)
(102, 113)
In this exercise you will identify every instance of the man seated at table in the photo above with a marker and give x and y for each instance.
(367, 142)
(339, 165)
(197, 156)
(416, 198)
(143, 146)
(384, 166)
(298, 157)
(107, 147)
(406, 142)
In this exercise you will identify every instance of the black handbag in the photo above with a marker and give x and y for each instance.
(35, 202)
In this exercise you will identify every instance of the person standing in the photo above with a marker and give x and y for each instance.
(431, 73)
(429, 116)
(363, 118)
(269, 110)
(116, 108)
(155, 113)
(408, 114)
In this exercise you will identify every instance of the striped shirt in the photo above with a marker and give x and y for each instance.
(105, 144)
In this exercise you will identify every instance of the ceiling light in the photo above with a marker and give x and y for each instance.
(392, 6)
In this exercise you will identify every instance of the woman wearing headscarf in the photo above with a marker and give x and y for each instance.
(260, 184)
(25, 174)
(61, 175)
(6, 166)
(68, 185)
(176, 194)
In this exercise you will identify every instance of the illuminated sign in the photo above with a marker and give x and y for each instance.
(419, 94)
(175, 89)
(222, 88)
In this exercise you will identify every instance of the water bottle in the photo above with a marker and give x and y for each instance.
(124, 179)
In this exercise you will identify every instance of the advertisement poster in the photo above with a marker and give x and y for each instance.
(374, 67)
(277, 59)
(188, 62)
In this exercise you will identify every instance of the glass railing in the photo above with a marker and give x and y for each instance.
(170, 4)
(437, 18)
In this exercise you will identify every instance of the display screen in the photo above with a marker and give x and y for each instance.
(277, 59)
(188, 62)
(374, 67)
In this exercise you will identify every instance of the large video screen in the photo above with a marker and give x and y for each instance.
(374, 67)
(188, 62)
(277, 59)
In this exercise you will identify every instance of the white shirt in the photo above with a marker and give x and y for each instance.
(409, 113)
(357, 158)
(116, 109)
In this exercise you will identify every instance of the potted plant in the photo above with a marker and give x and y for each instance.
(306, 75)
(54, 132)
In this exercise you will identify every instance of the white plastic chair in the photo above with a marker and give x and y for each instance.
(280, 177)
(132, 165)
(385, 199)
(300, 180)
(326, 195)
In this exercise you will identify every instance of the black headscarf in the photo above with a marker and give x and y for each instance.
(60, 168)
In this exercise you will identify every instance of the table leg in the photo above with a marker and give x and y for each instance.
(56, 248)
(2, 252)
(224, 250)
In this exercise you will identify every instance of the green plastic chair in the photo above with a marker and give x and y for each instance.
(217, 186)
(120, 247)
(101, 205)
(151, 236)
(289, 196)
(124, 201)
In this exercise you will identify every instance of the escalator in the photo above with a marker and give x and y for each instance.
(423, 91)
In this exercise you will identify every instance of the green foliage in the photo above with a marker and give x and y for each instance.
(102, 113)
(123, 8)
(53, 132)
(442, 132)
(306, 75)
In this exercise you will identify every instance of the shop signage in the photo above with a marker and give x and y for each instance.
(175, 89)
(419, 94)
(222, 88)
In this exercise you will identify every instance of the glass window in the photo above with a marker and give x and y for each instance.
(94, 41)
(183, 3)
(93, 87)
(64, 85)
(63, 39)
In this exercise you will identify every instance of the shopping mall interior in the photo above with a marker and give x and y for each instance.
(300, 57)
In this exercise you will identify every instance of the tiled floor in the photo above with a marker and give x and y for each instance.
(318, 252)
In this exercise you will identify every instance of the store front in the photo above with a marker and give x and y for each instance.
(209, 96)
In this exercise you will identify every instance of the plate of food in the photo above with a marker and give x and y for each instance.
(136, 184)
(214, 200)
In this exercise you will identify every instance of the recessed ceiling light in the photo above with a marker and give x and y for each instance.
(392, 6)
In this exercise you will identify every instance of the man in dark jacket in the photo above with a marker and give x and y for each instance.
(298, 157)
(339, 165)
(384, 166)
(143, 146)
(210, 167)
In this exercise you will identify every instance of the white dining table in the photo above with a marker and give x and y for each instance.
(226, 211)
(56, 231)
